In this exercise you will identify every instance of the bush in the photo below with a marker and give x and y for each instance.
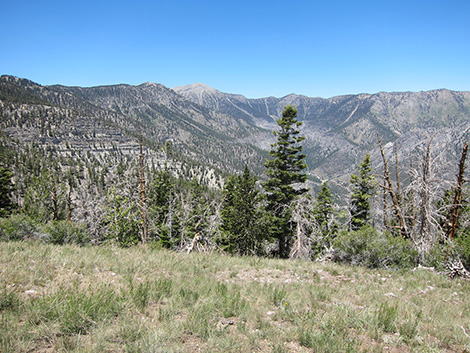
(441, 254)
(18, 227)
(369, 248)
(463, 248)
(22, 227)
(438, 256)
(65, 232)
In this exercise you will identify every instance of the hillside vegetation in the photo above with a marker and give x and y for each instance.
(108, 299)
(125, 170)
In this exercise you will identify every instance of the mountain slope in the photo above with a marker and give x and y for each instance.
(341, 130)
(224, 131)
(211, 138)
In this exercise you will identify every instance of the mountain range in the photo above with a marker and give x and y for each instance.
(340, 130)
(212, 133)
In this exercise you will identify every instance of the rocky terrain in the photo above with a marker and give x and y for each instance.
(341, 130)
(211, 132)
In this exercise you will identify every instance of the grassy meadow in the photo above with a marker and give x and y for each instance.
(108, 299)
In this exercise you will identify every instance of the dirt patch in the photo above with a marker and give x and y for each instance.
(277, 276)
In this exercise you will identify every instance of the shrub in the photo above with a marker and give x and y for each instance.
(438, 255)
(463, 248)
(18, 227)
(369, 248)
(65, 232)
(443, 253)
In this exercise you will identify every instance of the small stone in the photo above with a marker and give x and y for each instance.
(224, 323)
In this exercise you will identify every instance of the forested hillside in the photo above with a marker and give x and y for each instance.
(118, 115)
(365, 179)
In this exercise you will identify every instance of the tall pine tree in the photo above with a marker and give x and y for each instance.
(6, 189)
(363, 189)
(324, 212)
(285, 172)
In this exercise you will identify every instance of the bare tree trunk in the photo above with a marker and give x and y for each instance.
(69, 204)
(412, 201)
(385, 210)
(396, 206)
(143, 199)
(399, 194)
(203, 239)
(428, 228)
(55, 202)
(169, 216)
(454, 213)
(303, 218)
(424, 190)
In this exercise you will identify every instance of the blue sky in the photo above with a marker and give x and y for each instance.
(255, 48)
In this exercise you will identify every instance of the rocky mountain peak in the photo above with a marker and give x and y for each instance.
(195, 88)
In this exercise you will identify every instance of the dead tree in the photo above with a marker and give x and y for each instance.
(424, 190)
(89, 210)
(54, 200)
(454, 214)
(303, 220)
(399, 194)
(69, 203)
(425, 187)
(203, 239)
(389, 187)
(386, 221)
(411, 201)
(143, 199)
(385, 206)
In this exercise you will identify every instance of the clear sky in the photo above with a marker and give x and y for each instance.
(257, 48)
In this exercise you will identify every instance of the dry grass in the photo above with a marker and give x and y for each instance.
(106, 299)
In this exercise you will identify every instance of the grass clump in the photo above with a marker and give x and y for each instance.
(9, 300)
(386, 318)
(75, 312)
(331, 336)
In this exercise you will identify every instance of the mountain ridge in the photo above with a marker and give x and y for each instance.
(227, 131)
(344, 128)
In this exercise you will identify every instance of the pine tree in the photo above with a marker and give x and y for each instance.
(240, 214)
(324, 213)
(6, 188)
(363, 189)
(284, 171)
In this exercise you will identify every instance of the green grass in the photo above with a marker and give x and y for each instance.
(107, 299)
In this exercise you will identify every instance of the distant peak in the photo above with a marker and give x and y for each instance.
(149, 84)
(195, 87)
